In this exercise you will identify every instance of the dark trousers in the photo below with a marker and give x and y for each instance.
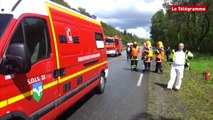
(158, 67)
(187, 66)
(147, 66)
(134, 63)
(128, 55)
(167, 57)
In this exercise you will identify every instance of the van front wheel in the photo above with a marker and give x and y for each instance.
(100, 88)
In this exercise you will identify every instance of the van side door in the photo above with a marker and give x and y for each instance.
(32, 93)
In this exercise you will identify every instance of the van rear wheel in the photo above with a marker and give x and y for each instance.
(100, 88)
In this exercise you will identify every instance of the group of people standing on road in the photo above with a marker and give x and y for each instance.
(147, 55)
(177, 58)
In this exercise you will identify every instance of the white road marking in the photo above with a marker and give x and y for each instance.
(140, 80)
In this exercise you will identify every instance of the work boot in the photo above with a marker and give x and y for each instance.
(161, 71)
(145, 70)
(148, 70)
(175, 89)
(168, 89)
(156, 70)
(132, 67)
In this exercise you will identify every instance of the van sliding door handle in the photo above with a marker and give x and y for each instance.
(59, 72)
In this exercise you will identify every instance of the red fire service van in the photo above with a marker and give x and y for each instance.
(50, 57)
(113, 46)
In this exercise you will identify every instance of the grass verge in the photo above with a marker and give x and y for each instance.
(197, 93)
(194, 101)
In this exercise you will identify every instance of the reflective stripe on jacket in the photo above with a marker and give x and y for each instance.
(147, 52)
(159, 56)
(188, 55)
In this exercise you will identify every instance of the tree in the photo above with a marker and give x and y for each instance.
(125, 32)
(159, 26)
(194, 29)
(83, 11)
(62, 2)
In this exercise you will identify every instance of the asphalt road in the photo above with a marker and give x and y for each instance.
(125, 96)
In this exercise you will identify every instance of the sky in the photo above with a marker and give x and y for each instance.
(134, 16)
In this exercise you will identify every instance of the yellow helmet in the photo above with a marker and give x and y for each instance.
(148, 43)
(159, 44)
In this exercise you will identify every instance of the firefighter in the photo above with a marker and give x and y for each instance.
(134, 56)
(177, 61)
(147, 55)
(189, 56)
(159, 57)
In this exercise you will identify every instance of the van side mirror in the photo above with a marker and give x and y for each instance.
(16, 60)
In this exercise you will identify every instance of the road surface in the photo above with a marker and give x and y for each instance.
(125, 96)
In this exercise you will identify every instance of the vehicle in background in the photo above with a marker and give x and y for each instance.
(113, 46)
(129, 44)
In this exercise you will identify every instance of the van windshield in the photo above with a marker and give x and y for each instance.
(109, 41)
(4, 20)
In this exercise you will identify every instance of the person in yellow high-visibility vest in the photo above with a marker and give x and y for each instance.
(178, 59)
(134, 56)
(159, 57)
(147, 55)
(189, 56)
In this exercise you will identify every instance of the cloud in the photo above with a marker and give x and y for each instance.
(142, 32)
(127, 19)
(131, 15)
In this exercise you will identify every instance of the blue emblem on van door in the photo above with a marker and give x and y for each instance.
(37, 91)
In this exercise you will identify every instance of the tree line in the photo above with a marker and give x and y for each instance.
(125, 36)
(194, 29)
(108, 30)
